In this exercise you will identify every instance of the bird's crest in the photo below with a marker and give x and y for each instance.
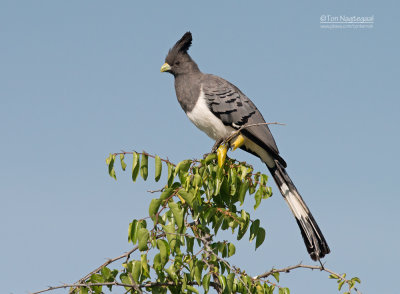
(184, 43)
(180, 47)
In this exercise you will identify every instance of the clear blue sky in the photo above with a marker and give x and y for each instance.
(80, 79)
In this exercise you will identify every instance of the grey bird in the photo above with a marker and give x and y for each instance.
(220, 109)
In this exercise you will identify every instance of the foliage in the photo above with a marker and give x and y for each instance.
(176, 244)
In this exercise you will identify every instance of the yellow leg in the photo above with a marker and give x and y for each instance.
(239, 141)
(221, 153)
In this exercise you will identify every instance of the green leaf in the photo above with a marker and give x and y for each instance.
(252, 189)
(276, 276)
(184, 283)
(222, 281)
(108, 159)
(239, 287)
(166, 193)
(171, 272)
(144, 166)
(244, 225)
(158, 165)
(113, 175)
(254, 229)
(145, 266)
(163, 246)
(133, 228)
(341, 284)
(130, 232)
(284, 291)
(242, 191)
(136, 270)
(189, 244)
(233, 182)
(198, 271)
(218, 220)
(171, 235)
(269, 289)
(333, 277)
(192, 262)
(356, 279)
(229, 282)
(135, 166)
(188, 197)
(157, 262)
(206, 282)
(264, 179)
(111, 160)
(182, 166)
(210, 157)
(106, 273)
(197, 181)
(83, 290)
(258, 198)
(260, 237)
(224, 251)
(222, 266)
(125, 280)
(123, 164)
(193, 289)
(153, 208)
(231, 249)
(143, 237)
(178, 214)
(170, 174)
(244, 172)
(95, 278)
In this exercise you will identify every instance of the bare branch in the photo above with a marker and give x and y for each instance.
(300, 265)
(107, 263)
(141, 286)
(237, 132)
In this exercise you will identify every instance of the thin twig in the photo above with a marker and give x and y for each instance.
(237, 132)
(300, 265)
(107, 263)
(145, 285)
(156, 191)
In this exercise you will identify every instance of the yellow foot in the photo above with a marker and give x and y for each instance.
(221, 153)
(239, 141)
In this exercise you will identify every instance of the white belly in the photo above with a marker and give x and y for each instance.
(206, 121)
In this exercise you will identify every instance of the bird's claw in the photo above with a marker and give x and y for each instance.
(216, 145)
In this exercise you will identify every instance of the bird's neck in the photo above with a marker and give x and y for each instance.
(187, 87)
(194, 68)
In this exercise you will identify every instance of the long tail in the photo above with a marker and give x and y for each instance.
(312, 236)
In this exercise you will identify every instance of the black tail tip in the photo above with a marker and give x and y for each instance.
(316, 244)
(317, 253)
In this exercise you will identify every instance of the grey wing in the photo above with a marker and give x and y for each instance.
(235, 109)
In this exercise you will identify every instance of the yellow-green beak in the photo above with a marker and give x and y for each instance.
(165, 67)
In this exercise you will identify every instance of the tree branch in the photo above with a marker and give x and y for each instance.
(107, 263)
(300, 265)
(145, 285)
(237, 132)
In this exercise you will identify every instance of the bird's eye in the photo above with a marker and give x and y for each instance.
(177, 63)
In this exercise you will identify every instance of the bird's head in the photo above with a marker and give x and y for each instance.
(178, 61)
